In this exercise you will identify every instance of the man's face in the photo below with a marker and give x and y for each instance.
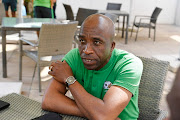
(95, 46)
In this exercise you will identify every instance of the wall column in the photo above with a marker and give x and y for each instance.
(177, 15)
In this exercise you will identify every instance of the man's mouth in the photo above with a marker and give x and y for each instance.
(88, 61)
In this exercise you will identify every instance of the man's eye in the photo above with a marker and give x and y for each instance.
(97, 42)
(81, 41)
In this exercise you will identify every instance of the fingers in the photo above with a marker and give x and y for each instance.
(51, 73)
(50, 68)
(55, 65)
(64, 61)
(58, 62)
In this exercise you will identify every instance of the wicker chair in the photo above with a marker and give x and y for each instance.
(143, 22)
(55, 40)
(69, 12)
(151, 88)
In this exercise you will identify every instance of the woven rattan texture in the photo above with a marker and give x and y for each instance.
(151, 87)
(54, 40)
(23, 108)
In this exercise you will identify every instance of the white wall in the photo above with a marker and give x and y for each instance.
(139, 7)
(177, 18)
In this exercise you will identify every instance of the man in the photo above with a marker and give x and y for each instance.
(103, 81)
(173, 98)
(12, 4)
(42, 8)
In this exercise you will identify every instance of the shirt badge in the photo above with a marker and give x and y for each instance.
(107, 84)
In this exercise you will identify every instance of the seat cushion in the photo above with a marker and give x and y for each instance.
(145, 25)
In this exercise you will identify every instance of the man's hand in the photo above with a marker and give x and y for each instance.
(60, 71)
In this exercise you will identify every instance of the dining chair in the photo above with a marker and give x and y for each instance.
(55, 40)
(115, 6)
(151, 89)
(83, 13)
(69, 12)
(151, 24)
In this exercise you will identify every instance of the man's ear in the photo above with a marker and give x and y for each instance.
(113, 46)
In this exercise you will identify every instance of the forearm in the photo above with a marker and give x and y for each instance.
(91, 106)
(55, 100)
(86, 114)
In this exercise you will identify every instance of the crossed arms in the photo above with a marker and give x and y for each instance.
(84, 104)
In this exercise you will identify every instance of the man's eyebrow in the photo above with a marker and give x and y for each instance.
(82, 36)
(96, 38)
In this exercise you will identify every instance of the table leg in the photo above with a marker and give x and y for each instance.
(127, 25)
(4, 62)
(20, 57)
(123, 27)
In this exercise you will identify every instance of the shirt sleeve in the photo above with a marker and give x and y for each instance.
(129, 74)
(71, 58)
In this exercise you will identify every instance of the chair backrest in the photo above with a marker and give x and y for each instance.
(2, 12)
(155, 14)
(151, 87)
(56, 39)
(83, 13)
(113, 6)
(113, 17)
(69, 12)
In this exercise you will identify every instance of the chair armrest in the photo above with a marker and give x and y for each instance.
(28, 42)
(162, 115)
(141, 16)
(141, 19)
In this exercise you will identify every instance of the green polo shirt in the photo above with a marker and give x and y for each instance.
(42, 3)
(123, 69)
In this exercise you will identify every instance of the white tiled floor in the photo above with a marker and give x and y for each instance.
(10, 87)
(166, 47)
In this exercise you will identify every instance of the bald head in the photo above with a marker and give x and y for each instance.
(101, 23)
(96, 41)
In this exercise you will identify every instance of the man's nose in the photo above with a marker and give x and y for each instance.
(88, 49)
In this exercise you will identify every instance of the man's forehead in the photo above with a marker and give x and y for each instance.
(93, 31)
(94, 28)
(98, 25)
